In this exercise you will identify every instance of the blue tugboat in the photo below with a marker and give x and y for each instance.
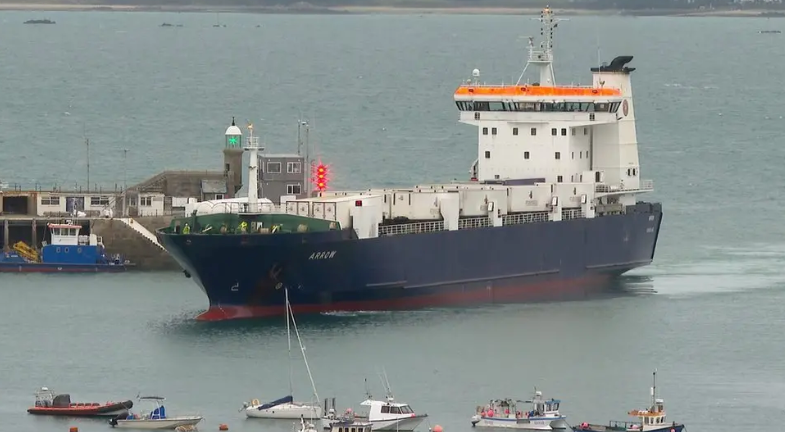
(68, 253)
(649, 420)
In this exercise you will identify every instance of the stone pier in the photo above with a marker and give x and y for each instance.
(120, 238)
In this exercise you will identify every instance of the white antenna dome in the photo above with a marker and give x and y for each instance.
(233, 129)
(476, 73)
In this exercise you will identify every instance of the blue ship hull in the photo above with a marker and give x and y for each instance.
(243, 275)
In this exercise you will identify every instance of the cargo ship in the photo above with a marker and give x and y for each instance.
(550, 212)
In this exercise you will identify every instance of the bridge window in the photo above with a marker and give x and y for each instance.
(558, 155)
(476, 116)
(559, 179)
(487, 154)
(274, 167)
(534, 131)
(293, 167)
(563, 131)
(395, 410)
(565, 106)
(493, 131)
(485, 131)
(497, 106)
(406, 409)
(515, 131)
(573, 155)
(385, 409)
(554, 131)
(526, 155)
(482, 106)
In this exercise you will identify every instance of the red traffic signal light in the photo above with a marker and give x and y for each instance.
(320, 177)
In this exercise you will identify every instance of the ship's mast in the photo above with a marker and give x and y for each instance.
(542, 57)
(653, 388)
(253, 164)
(308, 164)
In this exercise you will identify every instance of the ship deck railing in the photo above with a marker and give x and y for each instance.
(475, 222)
(464, 84)
(645, 185)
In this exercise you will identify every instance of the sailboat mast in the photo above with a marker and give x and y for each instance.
(302, 347)
(289, 340)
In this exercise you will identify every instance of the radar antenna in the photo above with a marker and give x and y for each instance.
(542, 56)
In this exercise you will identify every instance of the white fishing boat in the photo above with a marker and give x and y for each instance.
(286, 407)
(383, 415)
(543, 415)
(156, 419)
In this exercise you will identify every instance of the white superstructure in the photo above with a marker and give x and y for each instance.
(546, 152)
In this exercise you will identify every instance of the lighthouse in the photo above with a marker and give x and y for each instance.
(233, 160)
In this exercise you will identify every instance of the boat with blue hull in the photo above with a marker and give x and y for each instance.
(68, 252)
(551, 212)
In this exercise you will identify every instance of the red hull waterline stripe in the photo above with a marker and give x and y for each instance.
(553, 290)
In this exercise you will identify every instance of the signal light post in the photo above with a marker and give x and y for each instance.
(320, 178)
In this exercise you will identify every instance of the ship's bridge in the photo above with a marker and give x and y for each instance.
(474, 91)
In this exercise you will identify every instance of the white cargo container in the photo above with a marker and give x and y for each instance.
(474, 202)
(338, 209)
(570, 193)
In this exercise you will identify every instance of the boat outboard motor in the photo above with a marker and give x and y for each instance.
(113, 421)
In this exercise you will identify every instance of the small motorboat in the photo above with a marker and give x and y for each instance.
(652, 419)
(47, 403)
(156, 419)
(348, 420)
(382, 415)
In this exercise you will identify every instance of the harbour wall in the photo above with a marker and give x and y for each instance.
(117, 236)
